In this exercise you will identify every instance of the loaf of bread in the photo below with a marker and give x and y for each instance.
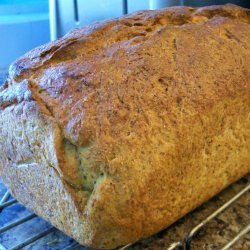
(120, 128)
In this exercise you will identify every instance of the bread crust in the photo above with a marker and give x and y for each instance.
(119, 128)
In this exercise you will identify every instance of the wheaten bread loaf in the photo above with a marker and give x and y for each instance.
(120, 128)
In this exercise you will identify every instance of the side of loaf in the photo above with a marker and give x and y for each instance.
(120, 128)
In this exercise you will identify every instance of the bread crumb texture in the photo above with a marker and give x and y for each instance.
(119, 128)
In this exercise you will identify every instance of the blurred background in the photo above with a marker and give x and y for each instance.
(25, 24)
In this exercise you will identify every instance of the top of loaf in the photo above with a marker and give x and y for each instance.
(101, 68)
(101, 36)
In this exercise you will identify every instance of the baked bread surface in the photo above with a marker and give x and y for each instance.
(120, 128)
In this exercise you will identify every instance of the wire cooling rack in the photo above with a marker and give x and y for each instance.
(58, 240)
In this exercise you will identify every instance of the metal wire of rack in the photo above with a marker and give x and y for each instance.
(184, 244)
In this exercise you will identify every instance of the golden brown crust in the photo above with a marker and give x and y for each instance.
(138, 121)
